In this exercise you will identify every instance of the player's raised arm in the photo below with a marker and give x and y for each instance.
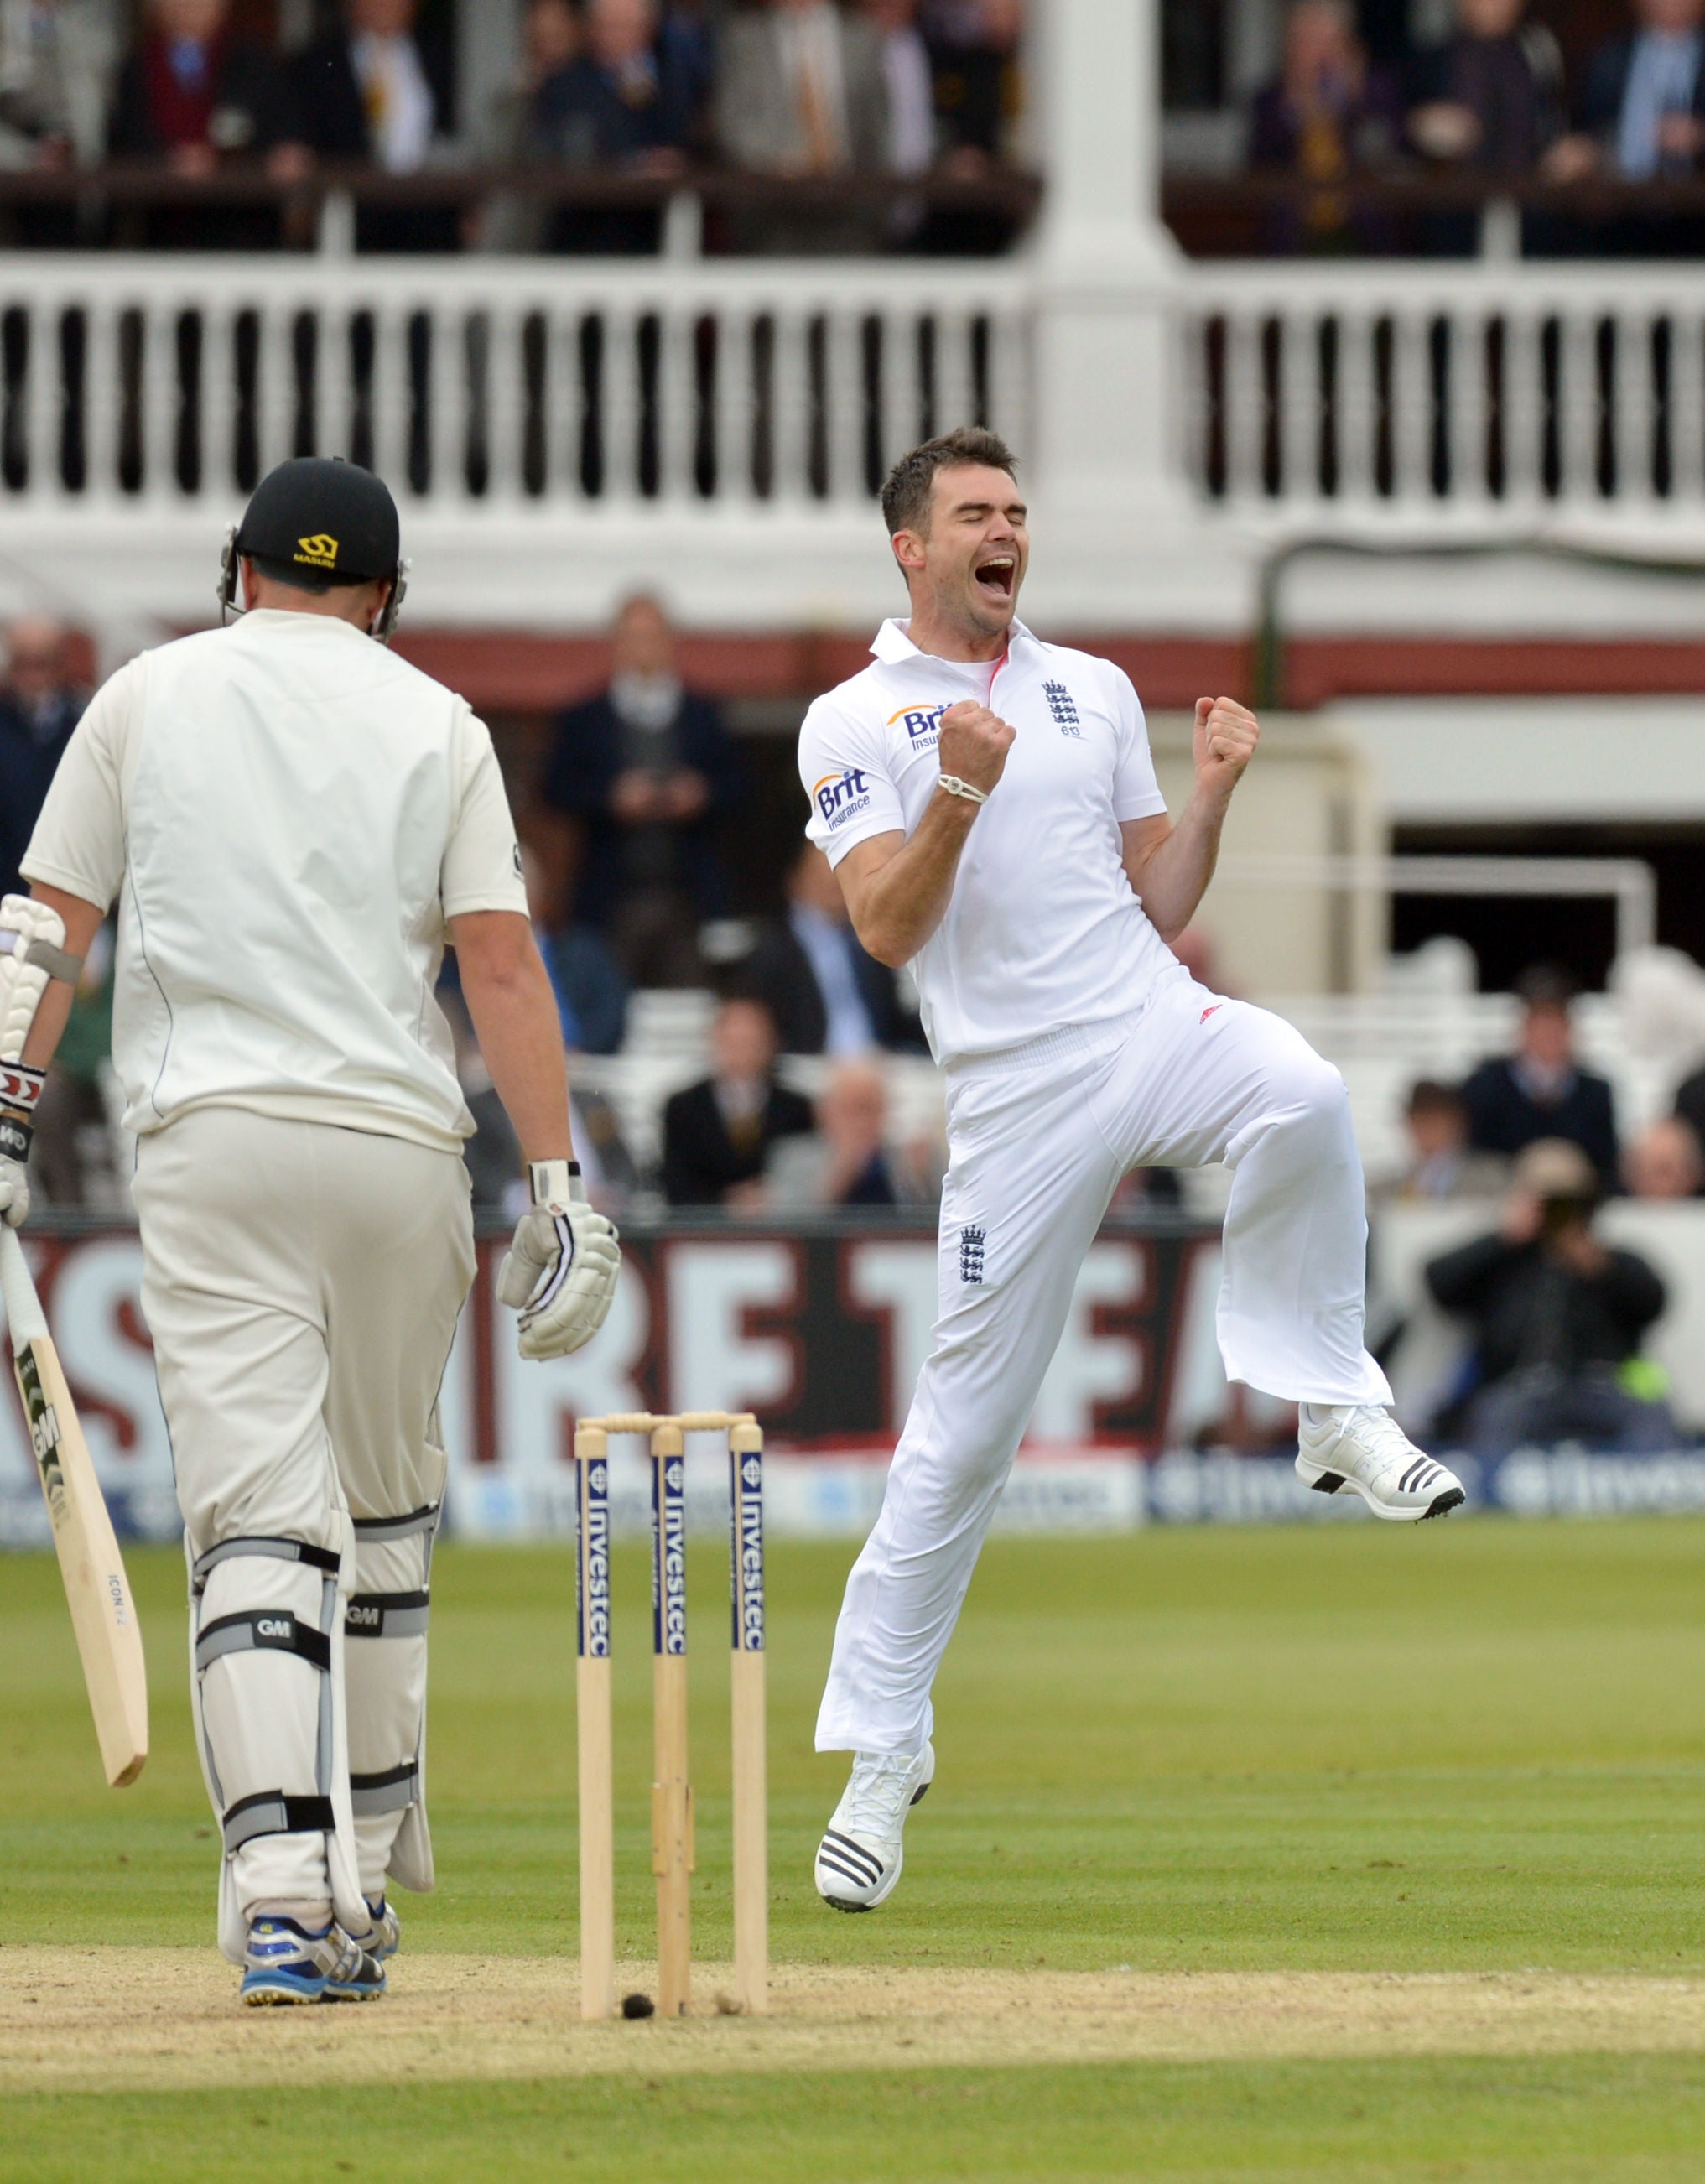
(1169, 863)
(897, 890)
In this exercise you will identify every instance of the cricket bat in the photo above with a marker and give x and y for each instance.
(104, 1613)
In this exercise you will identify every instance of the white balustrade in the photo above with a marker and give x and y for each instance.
(149, 382)
(1459, 396)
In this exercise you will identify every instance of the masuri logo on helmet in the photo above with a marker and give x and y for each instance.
(320, 552)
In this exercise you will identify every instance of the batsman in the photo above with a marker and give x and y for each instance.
(293, 823)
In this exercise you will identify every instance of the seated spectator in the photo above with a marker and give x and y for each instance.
(57, 64)
(717, 1134)
(1556, 1319)
(1689, 1103)
(1643, 109)
(40, 703)
(1641, 116)
(371, 91)
(193, 94)
(825, 994)
(591, 993)
(1328, 114)
(1540, 1091)
(846, 1162)
(645, 772)
(1442, 1165)
(1663, 1161)
(1494, 93)
(974, 49)
(799, 91)
(512, 223)
(625, 104)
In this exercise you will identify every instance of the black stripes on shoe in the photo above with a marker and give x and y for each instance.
(839, 1853)
(1421, 1476)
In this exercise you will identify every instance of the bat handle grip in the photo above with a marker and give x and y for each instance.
(24, 1316)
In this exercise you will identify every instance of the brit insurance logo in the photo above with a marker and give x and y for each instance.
(839, 796)
(921, 723)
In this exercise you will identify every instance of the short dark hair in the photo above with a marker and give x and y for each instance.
(905, 492)
(1428, 1095)
(1546, 987)
(302, 579)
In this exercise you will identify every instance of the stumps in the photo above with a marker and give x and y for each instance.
(672, 1847)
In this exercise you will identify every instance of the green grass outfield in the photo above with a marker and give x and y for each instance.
(1465, 1748)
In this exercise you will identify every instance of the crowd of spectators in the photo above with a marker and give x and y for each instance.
(795, 89)
(1555, 1319)
(1494, 98)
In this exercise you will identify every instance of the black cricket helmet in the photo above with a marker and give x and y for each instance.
(317, 522)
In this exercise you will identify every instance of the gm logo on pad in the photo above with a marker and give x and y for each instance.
(319, 552)
(838, 795)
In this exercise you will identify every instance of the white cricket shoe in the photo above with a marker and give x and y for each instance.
(860, 1855)
(1358, 1448)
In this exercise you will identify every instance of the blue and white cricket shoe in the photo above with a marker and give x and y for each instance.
(385, 1936)
(286, 1963)
(860, 1855)
(1357, 1448)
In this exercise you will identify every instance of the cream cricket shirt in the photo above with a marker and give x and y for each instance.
(289, 814)
(1042, 930)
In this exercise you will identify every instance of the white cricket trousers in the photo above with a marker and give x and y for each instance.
(302, 1285)
(1038, 1137)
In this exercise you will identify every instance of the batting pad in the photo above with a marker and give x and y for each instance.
(385, 1676)
(266, 1652)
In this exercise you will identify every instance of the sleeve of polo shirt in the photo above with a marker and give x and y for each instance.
(481, 867)
(844, 771)
(1136, 792)
(79, 839)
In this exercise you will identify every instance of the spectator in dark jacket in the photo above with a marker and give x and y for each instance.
(1641, 115)
(40, 703)
(717, 1134)
(645, 772)
(624, 102)
(1328, 115)
(1493, 95)
(1541, 1091)
(1556, 1319)
(192, 95)
(825, 994)
(371, 91)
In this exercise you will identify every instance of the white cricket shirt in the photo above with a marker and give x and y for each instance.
(287, 814)
(1042, 929)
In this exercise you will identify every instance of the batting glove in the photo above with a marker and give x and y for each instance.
(559, 1273)
(16, 1129)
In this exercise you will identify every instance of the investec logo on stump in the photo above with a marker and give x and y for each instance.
(671, 1516)
(595, 1607)
(749, 1545)
(837, 796)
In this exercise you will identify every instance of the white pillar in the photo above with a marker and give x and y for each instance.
(1099, 65)
(1115, 521)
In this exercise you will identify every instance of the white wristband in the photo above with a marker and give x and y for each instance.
(552, 1182)
(956, 787)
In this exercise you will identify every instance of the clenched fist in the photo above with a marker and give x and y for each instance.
(1226, 735)
(974, 743)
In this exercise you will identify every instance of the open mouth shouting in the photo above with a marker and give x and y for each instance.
(994, 577)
